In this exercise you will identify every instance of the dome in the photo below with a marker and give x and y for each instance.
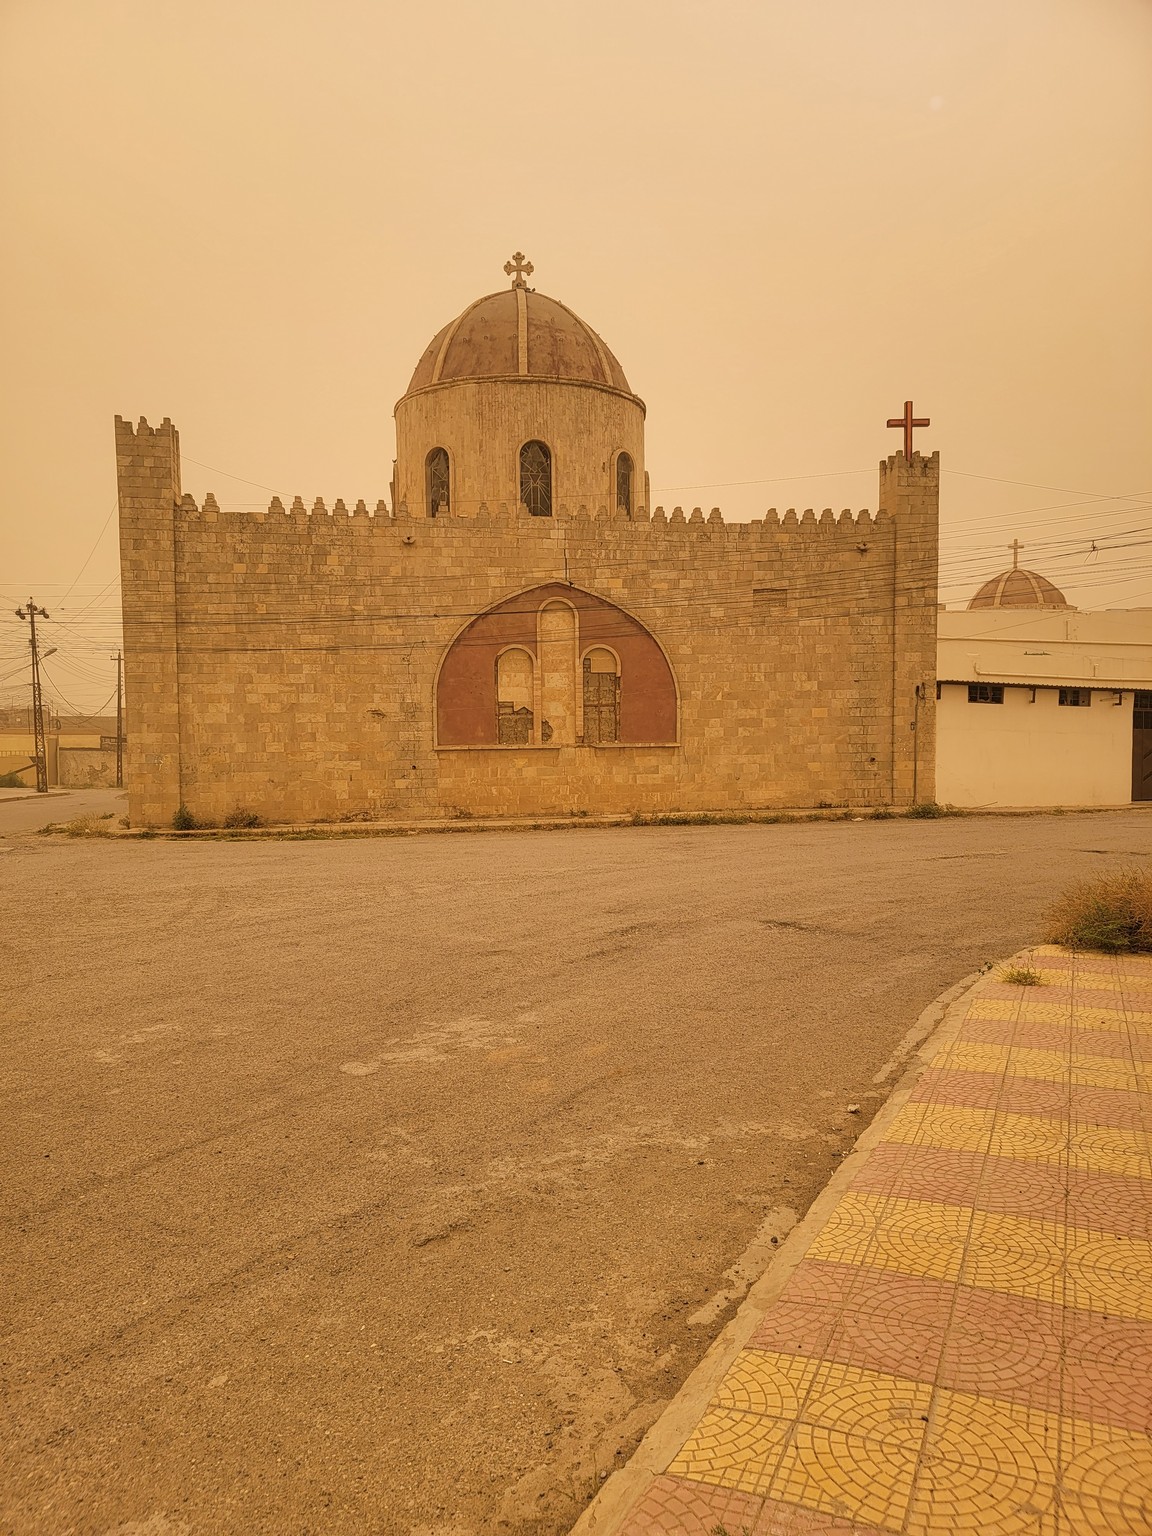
(517, 333)
(1018, 588)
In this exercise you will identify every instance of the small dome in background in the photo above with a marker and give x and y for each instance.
(1018, 588)
(518, 333)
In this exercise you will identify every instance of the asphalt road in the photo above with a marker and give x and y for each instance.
(390, 1186)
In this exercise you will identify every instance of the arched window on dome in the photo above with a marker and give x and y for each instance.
(437, 492)
(536, 479)
(625, 473)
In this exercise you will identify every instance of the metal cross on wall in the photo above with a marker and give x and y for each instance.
(520, 267)
(908, 421)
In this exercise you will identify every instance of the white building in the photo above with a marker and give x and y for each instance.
(1040, 703)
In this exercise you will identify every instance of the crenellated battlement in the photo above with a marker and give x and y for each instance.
(488, 518)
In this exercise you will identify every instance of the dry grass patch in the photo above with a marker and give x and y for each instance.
(1020, 976)
(1112, 913)
(83, 826)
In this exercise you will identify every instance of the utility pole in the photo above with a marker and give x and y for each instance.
(31, 613)
(119, 660)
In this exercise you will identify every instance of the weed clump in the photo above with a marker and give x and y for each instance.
(12, 781)
(241, 816)
(183, 819)
(1112, 913)
(1020, 976)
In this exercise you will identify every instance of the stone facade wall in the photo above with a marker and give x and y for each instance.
(286, 661)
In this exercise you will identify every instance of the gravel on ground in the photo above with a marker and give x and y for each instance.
(393, 1186)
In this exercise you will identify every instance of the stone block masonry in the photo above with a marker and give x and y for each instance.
(287, 661)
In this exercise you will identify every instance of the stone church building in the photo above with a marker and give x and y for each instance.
(518, 632)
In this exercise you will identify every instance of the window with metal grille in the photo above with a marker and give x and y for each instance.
(601, 697)
(624, 472)
(536, 479)
(1077, 698)
(436, 490)
(985, 693)
(1142, 713)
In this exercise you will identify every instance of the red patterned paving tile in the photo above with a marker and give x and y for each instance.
(673, 1506)
(947, 1085)
(1110, 1202)
(1003, 1346)
(1113, 1043)
(1006, 991)
(905, 1168)
(887, 1344)
(1034, 1096)
(1100, 997)
(1121, 1344)
(985, 1090)
(892, 1323)
(777, 1519)
(1029, 1036)
(1108, 1396)
(797, 1328)
(818, 1282)
(964, 1178)
(1108, 1106)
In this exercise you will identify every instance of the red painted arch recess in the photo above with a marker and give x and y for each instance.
(466, 685)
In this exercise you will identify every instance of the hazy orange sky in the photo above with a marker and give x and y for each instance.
(784, 217)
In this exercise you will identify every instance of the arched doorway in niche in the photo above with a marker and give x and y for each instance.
(555, 667)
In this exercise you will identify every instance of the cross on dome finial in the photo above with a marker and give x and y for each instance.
(520, 267)
(1016, 548)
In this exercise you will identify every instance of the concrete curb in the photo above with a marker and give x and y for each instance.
(935, 1025)
(789, 816)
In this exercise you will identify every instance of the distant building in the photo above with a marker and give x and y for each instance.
(1039, 703)
(81, 750)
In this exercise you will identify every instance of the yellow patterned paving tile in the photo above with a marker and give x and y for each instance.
(1109, 1274)
(1082, 1516)
(1106, 1481)
(986, 1250)
(849, 1234)
(988, 1466)
(764, 1382)
(733, 1450)
(1049, 1066)
(869, 1405)
(1108, 1072)
(1094, 981)
(1059, 1013)
(975, 1056)
(846, 1475)
(943, 1125)
(1030, 1138)
(914, 1237)
(1109, 1149)
(1023, 1258)
(970, 1056)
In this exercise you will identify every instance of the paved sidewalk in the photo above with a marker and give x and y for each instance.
(967, 1344)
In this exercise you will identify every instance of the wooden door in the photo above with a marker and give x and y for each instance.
(1142, 746)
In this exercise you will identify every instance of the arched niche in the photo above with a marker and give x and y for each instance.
(598, 677)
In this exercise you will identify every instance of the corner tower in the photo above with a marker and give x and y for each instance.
(518, 402)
